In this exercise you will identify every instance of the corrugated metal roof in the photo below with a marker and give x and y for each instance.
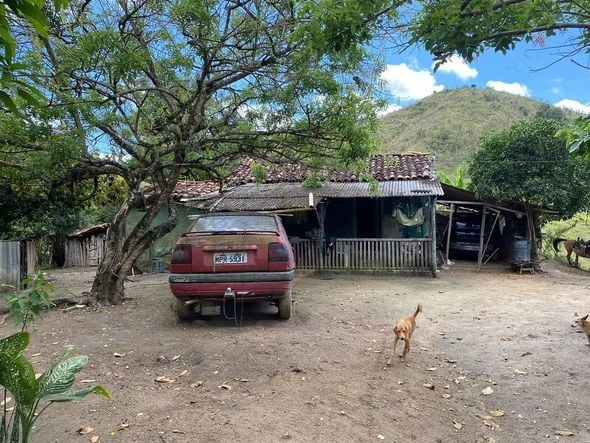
(260, 204)
(96, 229)
(274, 196)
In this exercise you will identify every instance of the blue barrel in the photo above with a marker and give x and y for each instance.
(521, 251)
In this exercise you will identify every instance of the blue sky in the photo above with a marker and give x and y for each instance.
(533, 70)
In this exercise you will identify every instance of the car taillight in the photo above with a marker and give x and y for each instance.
(181, 255)
(277, 252)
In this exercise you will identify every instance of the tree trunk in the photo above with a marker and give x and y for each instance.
(121, 253)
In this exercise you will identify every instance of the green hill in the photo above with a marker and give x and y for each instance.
(450, 123)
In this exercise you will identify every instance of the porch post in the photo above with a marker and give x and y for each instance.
(482, 231)
(433, 235)
(449, 232)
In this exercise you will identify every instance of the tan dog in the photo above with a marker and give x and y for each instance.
(585, 324)
(403, 330)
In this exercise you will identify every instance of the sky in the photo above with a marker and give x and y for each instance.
(532, 70)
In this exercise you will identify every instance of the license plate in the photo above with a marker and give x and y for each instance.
(230, 258)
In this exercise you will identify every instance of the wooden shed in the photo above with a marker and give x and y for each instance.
(86, 247)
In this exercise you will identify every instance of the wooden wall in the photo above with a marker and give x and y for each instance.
(84, 251)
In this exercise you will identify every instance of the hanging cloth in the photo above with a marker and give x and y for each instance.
(406, 220)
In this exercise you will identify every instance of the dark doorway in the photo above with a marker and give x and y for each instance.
(367, 218)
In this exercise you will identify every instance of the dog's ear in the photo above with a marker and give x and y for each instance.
(584, 318)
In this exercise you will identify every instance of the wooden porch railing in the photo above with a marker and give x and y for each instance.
(366, 254)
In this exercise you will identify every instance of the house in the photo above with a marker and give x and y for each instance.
(386, 223)
(86, 247)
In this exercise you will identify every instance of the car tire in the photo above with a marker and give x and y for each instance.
(183, 311)
(285, 304)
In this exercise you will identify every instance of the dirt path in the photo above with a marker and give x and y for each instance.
(322, 376)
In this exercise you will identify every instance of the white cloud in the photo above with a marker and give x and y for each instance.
(512, 88)
(406, 83)
(458, 66)
(573, 105)
(555, 90)
(388, 110)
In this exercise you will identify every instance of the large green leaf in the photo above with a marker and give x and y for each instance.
(14, 344)
(18, 377)
(61, 376)
(76, 395)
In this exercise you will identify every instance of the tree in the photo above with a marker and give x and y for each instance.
(28, 13)
(529, 163)
(469, 27)
(185, 84)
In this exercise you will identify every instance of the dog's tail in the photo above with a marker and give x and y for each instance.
(556, 243)
(418, 310)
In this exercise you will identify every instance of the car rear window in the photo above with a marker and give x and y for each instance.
(235, 223)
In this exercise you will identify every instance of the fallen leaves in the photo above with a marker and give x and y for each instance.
(165, 379)
(94, 439)
(429, 386)
(491, 424)
(487, 391)
(197, 384)
(564, 433)
(225, 386)
(119, 355)
(84, 431)
(524, 354)
(380, 437)
(431, 369)
(497, 413)
(458, 426)
(519, 372)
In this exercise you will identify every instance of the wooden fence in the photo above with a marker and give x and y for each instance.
(366, 254)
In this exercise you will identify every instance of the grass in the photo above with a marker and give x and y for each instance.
(451, 123)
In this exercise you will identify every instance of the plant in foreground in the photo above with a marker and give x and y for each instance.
(26, 305)
(33, 395)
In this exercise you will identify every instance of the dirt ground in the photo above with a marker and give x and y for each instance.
(322, 375)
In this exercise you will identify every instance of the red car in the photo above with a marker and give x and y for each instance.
(232, 258)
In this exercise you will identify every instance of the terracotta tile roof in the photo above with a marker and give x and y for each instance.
(381, 167)
(187, 189)
(390, 167)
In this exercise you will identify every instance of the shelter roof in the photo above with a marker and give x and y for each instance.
(91, 230)
(277, 196)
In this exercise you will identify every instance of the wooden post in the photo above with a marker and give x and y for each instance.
(433, 234)
(449, 232)
(481, 236)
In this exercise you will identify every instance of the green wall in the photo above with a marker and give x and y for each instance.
(164, 245)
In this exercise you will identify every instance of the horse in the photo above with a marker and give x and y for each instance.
(578, 247)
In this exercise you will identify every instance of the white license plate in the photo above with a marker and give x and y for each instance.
(222, 258)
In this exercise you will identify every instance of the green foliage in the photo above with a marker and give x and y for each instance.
(33, 395)
(260, 173)
(13, 74)
(578, 137)
(27, 304)
(459, 181)
(451, 123)
(529, 163)
(468, 28)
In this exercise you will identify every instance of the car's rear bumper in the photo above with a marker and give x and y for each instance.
(246, 285)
